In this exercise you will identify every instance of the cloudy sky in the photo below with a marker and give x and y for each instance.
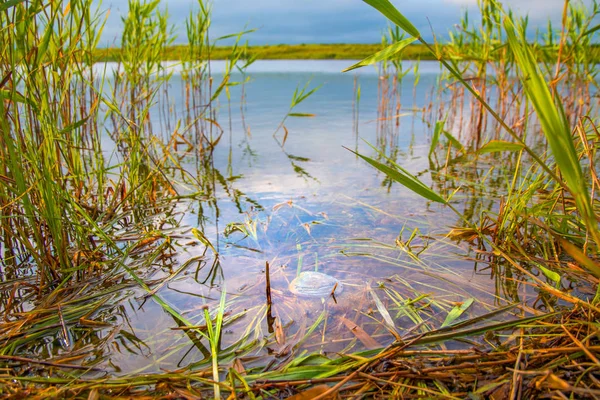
(323, 21)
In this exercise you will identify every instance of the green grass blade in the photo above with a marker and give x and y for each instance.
(495, 146)
(303, 96)
(457, 311)
(555, 277)
(554, 125)
(581, 257)
(404, 178)
(592, 30)
(198, 234)
(10, 3)
(382, 55)
(435, 337)
(454, 142)
(301, 115)
(439, 127)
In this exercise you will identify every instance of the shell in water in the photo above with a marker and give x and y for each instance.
(314, 284)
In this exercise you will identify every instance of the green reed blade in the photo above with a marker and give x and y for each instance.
(435, 337)
(439, 127)
(405, 178)
(14, 96)
(301, 115)
(580, 257)
(591, 30)
(555, 277)
(457, 311)
(302, 95)
(236, 375)
(495, 146)
(10, 3)
(554, 125)
(454, 142)
(475, 320)
(382, 55)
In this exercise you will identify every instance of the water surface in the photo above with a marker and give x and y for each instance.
(308, 204)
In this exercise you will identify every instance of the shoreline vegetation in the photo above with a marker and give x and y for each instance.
(111, 196)
(278, 52)
(313, 51)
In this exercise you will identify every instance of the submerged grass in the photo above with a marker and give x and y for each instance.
(541, 358)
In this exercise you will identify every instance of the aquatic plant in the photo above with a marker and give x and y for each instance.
(549, 111)
(82, 226)
(51, 159)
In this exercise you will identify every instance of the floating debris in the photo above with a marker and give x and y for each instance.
(315, 284)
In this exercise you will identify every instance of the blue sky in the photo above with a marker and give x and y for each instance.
(323, 21)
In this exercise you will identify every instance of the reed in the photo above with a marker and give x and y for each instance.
(568, 157)
(50, 139)
(76, 218)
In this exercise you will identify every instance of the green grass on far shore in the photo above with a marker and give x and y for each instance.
(287, 52)
(300, 52)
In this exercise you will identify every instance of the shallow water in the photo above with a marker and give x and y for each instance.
(308, 205)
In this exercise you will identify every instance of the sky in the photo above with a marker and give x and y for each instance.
(323, 21)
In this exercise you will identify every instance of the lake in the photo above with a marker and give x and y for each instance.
(299, 199)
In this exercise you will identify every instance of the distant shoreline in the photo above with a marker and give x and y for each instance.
(412, 52)
(284, 52)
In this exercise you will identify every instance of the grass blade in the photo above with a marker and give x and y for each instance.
(382, 55)
(457, 311)
(301, 115)
(592, 30)
(439, 127)
(10, 3)
(405, 178)
(581, 257)
(434, 337)
(495, 146)
(454, 141)
(554, 125)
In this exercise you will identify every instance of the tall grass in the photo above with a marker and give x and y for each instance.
(50, 139)
(88, 181)
(501, 44)
(73, 213)
(61, 196)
